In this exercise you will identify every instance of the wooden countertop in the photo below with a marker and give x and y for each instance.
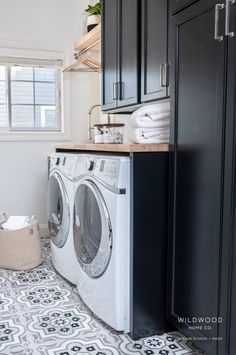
(118, 148)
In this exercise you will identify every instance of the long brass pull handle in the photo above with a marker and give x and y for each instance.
(217, 36)
(228, 3)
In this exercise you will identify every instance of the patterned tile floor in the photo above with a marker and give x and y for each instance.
(42, 314)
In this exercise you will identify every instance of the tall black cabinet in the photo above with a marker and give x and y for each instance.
(178, 5)
(228, 273)
(202, 269)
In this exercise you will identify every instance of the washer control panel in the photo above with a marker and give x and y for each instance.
(63, 162)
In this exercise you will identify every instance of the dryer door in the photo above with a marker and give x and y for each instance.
(92, 230)
(58, 210)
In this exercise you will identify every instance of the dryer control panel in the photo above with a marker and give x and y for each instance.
(108, 170)
(112, 170)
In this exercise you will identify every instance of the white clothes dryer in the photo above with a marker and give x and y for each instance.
(60, 214)
(102, 236)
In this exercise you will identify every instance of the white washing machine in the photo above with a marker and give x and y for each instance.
(60, 214)
(102, 236)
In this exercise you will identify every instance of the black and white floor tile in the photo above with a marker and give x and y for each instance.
(42, 314)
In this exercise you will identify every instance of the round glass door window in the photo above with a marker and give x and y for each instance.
(58, 211)
(92, 230)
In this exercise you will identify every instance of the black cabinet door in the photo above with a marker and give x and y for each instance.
(128, 39)
(231, 117)
(177, 5)
(228, 274)
(154, 80)
(231, 344)
(109, 53)
(197, 87)
(232, 331)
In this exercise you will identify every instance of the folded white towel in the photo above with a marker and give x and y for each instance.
(150, 121)
(16, 222)
(152, 140)
(145, 135)
(161, 107)
(151, 132)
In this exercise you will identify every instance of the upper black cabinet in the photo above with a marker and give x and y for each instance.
(154, 70)
(120, 53)
(109, 53)
(128, 52)
(134, 52)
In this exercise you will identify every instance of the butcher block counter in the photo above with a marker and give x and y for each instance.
(114, 148)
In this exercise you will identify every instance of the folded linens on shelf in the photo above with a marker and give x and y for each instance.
(150, 124)
(146, 135)
(151, 121)
(158, 108)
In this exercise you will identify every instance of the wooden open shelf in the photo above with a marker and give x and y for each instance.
(90, 42)
(91, 38)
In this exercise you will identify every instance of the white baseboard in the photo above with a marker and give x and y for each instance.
(43, 230)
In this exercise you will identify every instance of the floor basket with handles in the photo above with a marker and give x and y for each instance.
(21, 249)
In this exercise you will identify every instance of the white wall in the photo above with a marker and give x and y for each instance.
(44, 24)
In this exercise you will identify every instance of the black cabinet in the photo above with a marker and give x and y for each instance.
(202, 166)
(154, 69)
(109, 53)
(177, 5)
(231, 341)
(128, 52)
(231, 147)
(120, 53)
(149, 186)
(227, 329)
(134, 52)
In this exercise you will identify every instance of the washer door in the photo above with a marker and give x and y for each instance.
(92, 230)
(58, 210)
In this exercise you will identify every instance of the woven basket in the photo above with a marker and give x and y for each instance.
(21, 249)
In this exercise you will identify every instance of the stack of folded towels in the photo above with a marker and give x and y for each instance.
(150, 124)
